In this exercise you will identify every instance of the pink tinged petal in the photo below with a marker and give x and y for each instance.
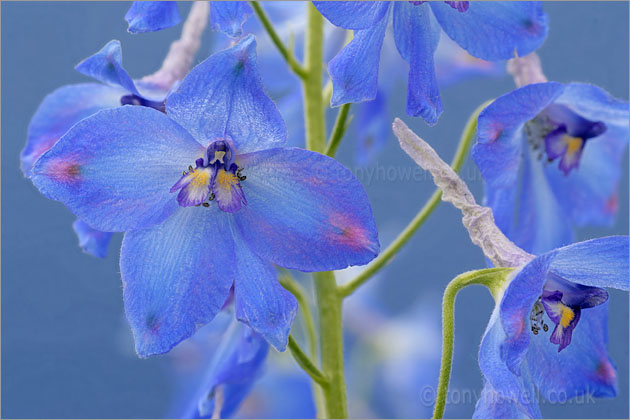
(114, 169)
(305, 211)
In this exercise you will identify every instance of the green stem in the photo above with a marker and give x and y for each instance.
(493, 279)
(306, 363)
(331, 345)
(287, 53)
(314, 107)
(338, 131)
(404, 236)
(328, 299)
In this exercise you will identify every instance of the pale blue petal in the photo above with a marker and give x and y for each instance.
(493, 405)
(305, 211)
(601, 262)
(513, 388)
(224, 97)
(59, 111)
(354, 70)
(229, 16)
(540, 223)
(261, 302)
(114, 169)
(176, 276)
(353, 14)
(106, 66)
(417, 37)
(497, 30)
(581, 368)
(149, 16)
(92, 241)
(589, 195)
(497, 152)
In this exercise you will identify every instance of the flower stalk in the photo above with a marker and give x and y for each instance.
(493, 279)
(327, 294)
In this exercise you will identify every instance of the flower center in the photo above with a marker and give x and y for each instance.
(563, 302)
(216, 176)
(562, 134)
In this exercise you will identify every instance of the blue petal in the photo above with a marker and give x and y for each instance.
(417, 37)
(224, 97)
(354, 70)
(260, 301)
(114, 169)
(229, 16)
(236, 366)
(541, 224)
(92, 241)
(497, 152)
(494, 31)
(516, 389)
(589, 194)
(353, 14)
(106, 66)
(515, 308)
(176, 276)
(373, 129)
(59, 111)
(601, 262)
(149, 16)
(305, 211)
(493, 405)
(581, 368)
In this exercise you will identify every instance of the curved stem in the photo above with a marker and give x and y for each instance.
(287, 53)
(306, 363)
(493, 279)
(404, 236)
(339, 129)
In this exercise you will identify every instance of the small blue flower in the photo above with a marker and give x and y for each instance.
(550, 155)
(71, 103)
(549, 332)
(194, 232)
(151, 16)
(237, 364)
(490, 31)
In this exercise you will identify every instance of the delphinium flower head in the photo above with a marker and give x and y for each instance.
(548, 332)
(209, 200)
(550, 155)
(490, 31)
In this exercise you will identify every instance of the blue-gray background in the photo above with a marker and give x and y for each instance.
(66, 350)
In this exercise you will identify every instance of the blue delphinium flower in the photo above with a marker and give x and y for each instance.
(550, 155)
(150, 16)
(490, 31)
(71, 103)
(241, 203)
(548, 332)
